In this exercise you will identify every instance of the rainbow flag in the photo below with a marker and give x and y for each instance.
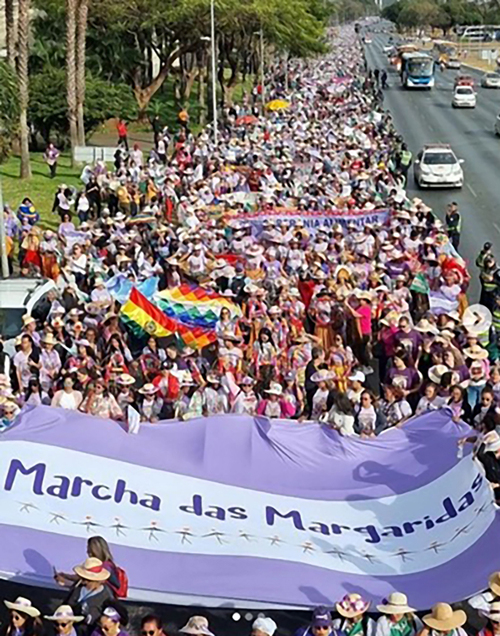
(195, 306)
(142, 317)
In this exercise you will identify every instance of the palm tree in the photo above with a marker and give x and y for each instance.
(71, 9)
(23, 79)
(10, 32)
(82, 14)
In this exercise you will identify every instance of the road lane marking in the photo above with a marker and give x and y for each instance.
(496, 226)
(471, 190)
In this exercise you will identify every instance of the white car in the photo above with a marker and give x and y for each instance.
(368, 40)
(464, 97)
(437, 166)
(20, 296)
(454, 63)
(490, 80)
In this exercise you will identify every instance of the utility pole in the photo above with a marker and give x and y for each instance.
(214, 68)
(3, 242)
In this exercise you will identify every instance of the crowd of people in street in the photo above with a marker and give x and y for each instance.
(347, 300)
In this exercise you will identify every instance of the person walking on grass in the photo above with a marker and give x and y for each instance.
(51, 157)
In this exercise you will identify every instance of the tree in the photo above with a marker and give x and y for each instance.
(82, 15)
(10, 32)
(71, 9)
(9, 113)
(23, 79)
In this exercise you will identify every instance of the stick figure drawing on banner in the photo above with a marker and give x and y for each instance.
(153, 529)
(185, 534)
(246, 536)
(89, 523)
(275, 540)
(27, 507)
(307, 547)
(55, 517)
(119, 528)
(217, 535)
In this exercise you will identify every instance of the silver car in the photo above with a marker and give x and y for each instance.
(454, 63)
(490, 80)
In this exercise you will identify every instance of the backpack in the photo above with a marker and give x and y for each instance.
(120, 590)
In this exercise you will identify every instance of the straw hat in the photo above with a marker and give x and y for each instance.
(148, 389)
(197, 626)
(322, 375)
(424, 326)
(476, 352)
(27, 320)
(23, 605)
(352, 605)
(92, 570)
(275, 389)
(395, 603)
(48, 339)
(124, 379)
(443, 618)
(436, 372)
(494, 583)
(65, 613)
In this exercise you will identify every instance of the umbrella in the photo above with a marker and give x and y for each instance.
(277, 104)
(247, 120)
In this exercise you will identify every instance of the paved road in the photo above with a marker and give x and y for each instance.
(427, 116)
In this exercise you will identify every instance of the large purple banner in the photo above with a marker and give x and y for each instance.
(243, 510)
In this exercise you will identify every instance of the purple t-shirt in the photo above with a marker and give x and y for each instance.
(406, 379)
(411, 341)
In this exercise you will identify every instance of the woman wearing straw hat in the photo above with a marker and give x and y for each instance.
(90, 591)
(64, 620)
(353, 620)
(398, 618)
(24, 619)
(444, 620)
(483, 602)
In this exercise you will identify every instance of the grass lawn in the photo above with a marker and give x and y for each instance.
(41, 188)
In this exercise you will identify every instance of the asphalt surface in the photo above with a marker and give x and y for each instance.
(423, 116)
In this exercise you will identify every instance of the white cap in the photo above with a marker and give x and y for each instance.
(359, 376)
(266, 625)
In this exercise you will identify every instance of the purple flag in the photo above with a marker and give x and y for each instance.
(235, 508)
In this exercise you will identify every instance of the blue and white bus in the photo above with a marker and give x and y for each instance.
(417, 70)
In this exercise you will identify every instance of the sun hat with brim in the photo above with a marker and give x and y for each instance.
(65, 613)
(23, 605)
(444, 618)
(493, 612)
(274, 389)
(124, 379)
(213, 378)
(476, 352)
(196, 625)
(148, 389)
(395, 603)
(92, 570)
(424, 326)
(352, 605)
(494, 583)
(436, 372)
(48, 339)
(323, 375)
